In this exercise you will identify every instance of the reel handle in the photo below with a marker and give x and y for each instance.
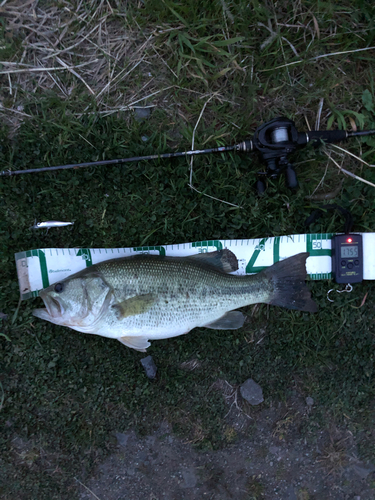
(291, 177)
(260, 186)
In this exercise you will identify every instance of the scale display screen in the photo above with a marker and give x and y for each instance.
(348, 252)
(347, 258)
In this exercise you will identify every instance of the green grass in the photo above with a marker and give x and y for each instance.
(66, 393)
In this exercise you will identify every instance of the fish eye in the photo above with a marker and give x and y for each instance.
(59, 287)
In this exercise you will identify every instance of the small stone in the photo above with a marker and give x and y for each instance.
(309, 401)
(149, 366)
(363, 472)
(252, 392)
(131, 471)
(275, 450)
(142, 113)
(122, 439)
(190, 479)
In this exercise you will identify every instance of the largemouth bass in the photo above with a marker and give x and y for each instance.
(145, 297)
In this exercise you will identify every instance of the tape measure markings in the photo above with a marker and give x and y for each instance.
(37, 269)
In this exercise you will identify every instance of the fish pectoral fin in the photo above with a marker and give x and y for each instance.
(224, 260)
(137, 343)
(139, 304)
(230, 321)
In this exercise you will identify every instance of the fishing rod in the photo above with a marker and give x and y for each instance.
(273, 141)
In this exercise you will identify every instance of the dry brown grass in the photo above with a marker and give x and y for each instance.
(69, 47)
(334, 456)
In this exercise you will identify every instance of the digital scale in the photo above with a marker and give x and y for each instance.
(347, 258)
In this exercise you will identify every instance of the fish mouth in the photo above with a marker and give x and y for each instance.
(53, 310)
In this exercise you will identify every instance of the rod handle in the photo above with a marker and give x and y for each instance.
(327, 135)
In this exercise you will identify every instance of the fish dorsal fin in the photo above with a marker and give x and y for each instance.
(139, 304)
(224, 260)
(137, 343)
(230, 321)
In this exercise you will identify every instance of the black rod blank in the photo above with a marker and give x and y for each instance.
(360, 133)
(222, 149)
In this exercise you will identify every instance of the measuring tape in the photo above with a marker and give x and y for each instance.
(40, 268)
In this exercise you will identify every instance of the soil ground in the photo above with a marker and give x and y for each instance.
(269, 459)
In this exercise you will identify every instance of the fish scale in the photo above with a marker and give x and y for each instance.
(193, 295)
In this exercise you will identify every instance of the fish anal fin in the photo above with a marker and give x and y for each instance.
(224, 260)
(230, 321)
(139, 304)
(137, 343)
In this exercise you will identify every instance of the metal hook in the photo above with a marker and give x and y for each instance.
(348, 289)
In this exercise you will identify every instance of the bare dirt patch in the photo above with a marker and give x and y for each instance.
(269, 458)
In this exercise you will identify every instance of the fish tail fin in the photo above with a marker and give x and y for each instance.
(288, 280)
